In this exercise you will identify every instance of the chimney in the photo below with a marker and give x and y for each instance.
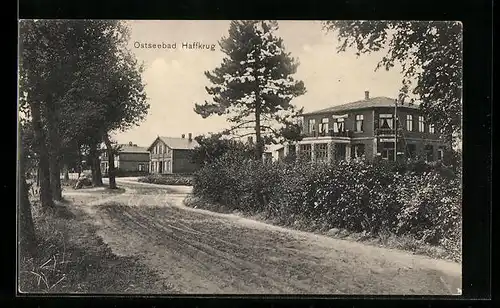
(367, 95)
(130, 143)
(250, 140)
(190, 136)
(183, 136)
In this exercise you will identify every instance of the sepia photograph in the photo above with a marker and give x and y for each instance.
(233, 157)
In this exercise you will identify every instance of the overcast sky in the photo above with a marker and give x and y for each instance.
(175, 80)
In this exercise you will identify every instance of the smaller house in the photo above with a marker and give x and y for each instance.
(170, 155)
(130, 158)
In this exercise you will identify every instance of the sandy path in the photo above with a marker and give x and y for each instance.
(201, 252)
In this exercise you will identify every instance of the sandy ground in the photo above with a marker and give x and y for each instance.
(200, 252)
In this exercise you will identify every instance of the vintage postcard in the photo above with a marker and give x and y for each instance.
(240, 157)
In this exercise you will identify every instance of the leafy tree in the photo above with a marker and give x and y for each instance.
(254, 86)
(109, 94)
(214, 146)
(431, 57)
(26, 227)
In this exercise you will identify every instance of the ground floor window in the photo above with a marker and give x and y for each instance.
(141, 167)
(429, 152)
(305, 151)
(440, 154)
(387, 150)
(411, 151)
(340, 151)
(358, 150)
(321, 151)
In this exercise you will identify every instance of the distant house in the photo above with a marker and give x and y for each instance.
(129, 158)
(172, 155)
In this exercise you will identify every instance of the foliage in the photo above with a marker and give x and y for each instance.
(430, 52)
(168, 179)
(214, 146)
(254, 86)
(359, 196)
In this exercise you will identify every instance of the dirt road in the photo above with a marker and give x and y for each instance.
(201, 252)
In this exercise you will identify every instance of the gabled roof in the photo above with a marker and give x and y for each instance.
(176, 143)
(126, 148)
(381, 101)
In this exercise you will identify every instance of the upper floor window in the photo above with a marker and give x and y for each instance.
(421, 124)
(409, 122)
(312, 125)
(431, 129)
(386, 121)
(324, 126)
(339, 125)
(359, 123)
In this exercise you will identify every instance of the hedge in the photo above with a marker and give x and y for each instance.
(415, 199)
(168, 179)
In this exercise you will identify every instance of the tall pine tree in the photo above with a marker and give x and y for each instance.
(254, 86)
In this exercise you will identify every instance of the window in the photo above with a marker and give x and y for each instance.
(421, 126)
(440, 154)
(292, 150)
(409, 122)
(324, 126)
(140, 167)
(321, 151)
(339, 125)
(305, 151)
(312, 126)
(429, 153)
(358, 151)
(386, 121)
(387, 150)
(359, 123)
(411, 151)
(431, 128)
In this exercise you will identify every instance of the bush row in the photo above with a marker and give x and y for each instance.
(168, 179)
(123, 173)
(415, 199)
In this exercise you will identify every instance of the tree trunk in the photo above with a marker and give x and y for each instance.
(66, 173)
(40, 140)
(95, 166)
(258, 138)
(27, 239)
(54, 148)
(111, 162)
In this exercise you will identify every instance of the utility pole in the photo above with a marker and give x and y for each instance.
(396, 125)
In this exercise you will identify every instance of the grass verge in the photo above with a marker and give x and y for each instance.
(72, 258)
(386, 239)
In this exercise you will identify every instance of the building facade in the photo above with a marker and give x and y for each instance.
(130, 158)
(369, 128)
(169, 155)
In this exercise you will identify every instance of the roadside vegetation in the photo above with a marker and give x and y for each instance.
(71, 258)
(416, 206)
(168, 179)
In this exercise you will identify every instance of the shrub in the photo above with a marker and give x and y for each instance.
(413, 199)
(168, 179)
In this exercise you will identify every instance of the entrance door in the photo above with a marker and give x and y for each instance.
(160, 167)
